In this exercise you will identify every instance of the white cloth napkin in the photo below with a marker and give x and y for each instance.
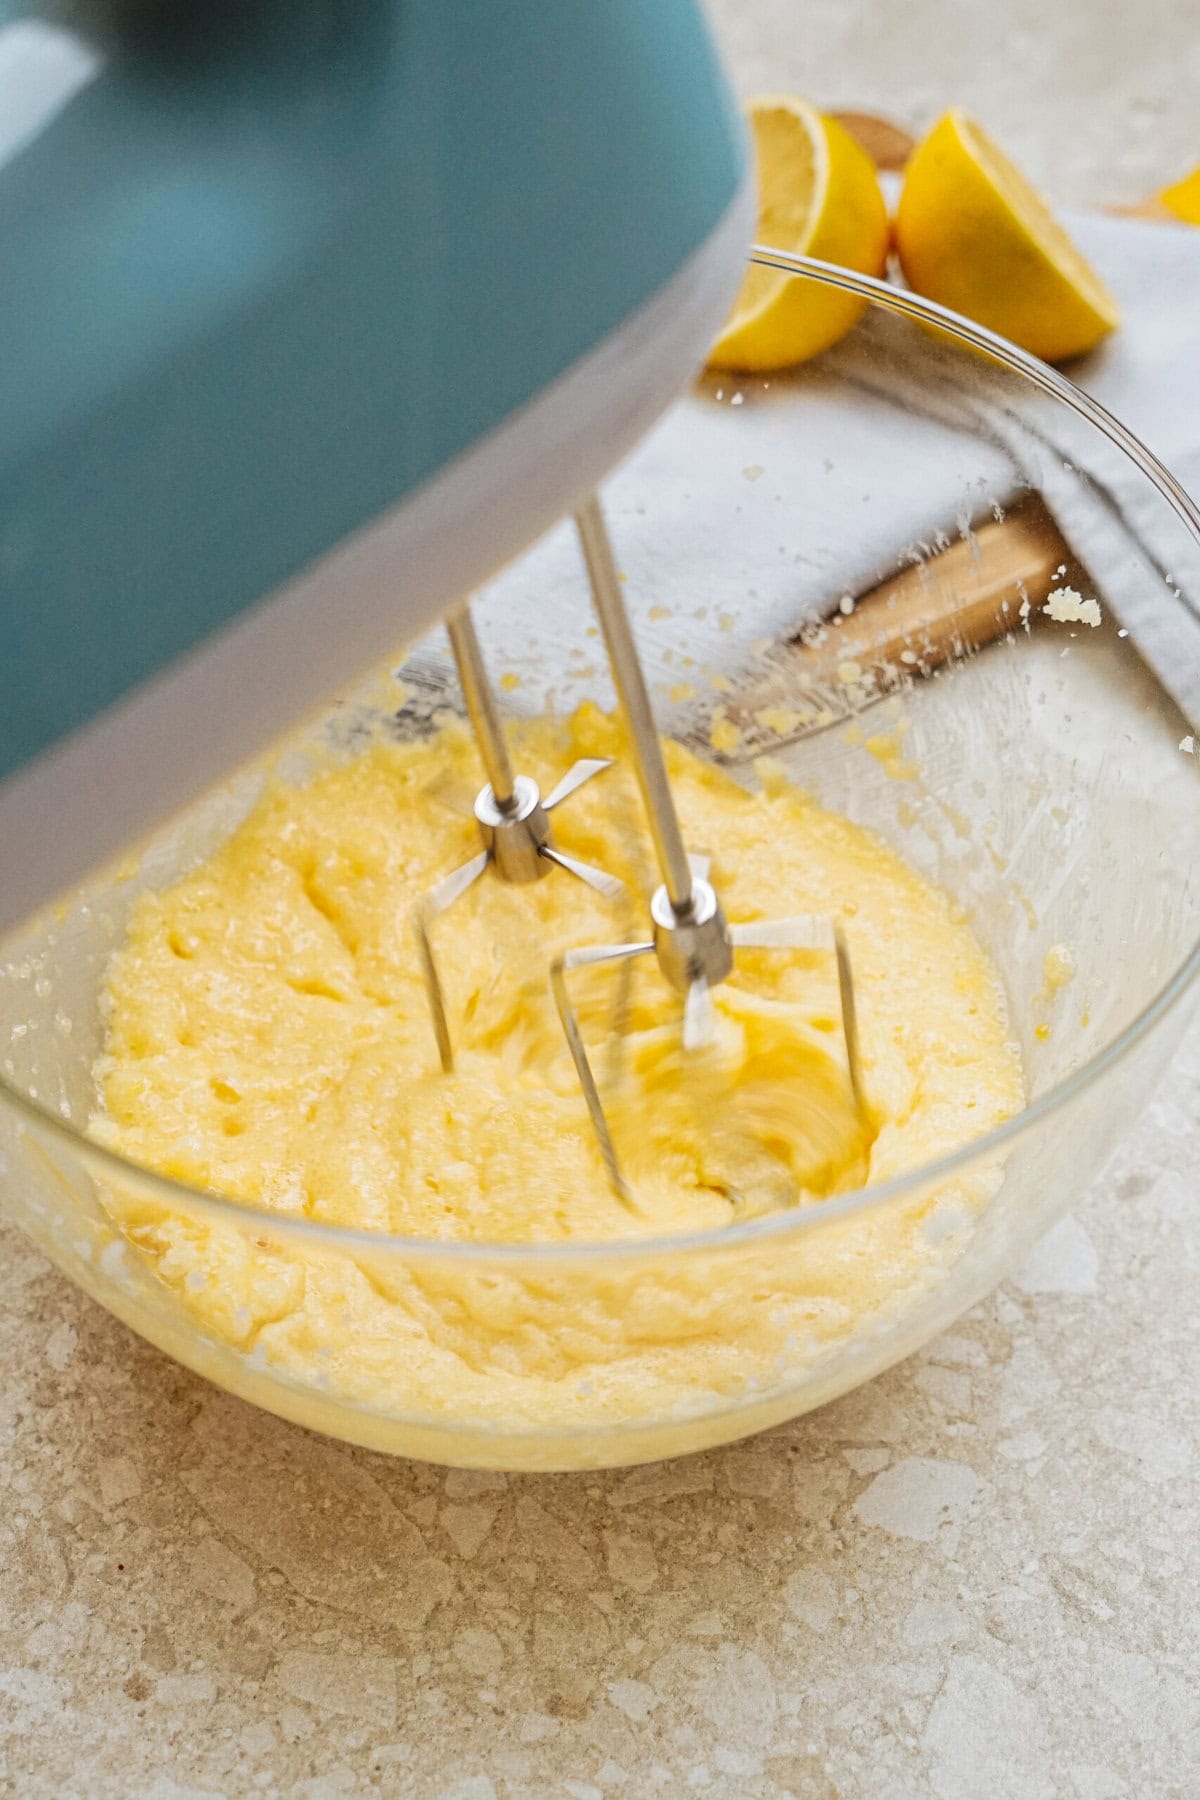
(1148, 373)
(755, 505)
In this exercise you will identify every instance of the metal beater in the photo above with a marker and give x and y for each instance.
(512, 816)
(693, 942)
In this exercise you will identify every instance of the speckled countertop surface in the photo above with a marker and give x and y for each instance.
(974, 1579)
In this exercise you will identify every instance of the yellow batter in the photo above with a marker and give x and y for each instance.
(268, 1037)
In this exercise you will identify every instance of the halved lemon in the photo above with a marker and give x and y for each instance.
(973, 234)
(818, 195)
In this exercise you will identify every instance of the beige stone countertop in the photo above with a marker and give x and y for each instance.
(974, 1579)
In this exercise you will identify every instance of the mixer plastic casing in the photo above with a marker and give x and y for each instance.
(314, 317)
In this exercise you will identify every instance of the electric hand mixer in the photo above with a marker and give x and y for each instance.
(315, 316)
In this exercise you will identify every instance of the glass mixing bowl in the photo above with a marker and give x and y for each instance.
(1040, 770)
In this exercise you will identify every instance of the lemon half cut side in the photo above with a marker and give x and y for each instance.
(818, 195)
(973, 234)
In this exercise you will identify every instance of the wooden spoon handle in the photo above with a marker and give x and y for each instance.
(965, 596)
(992, 581)
(888, 145)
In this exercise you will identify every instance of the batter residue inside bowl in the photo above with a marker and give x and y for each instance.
(268, 1038)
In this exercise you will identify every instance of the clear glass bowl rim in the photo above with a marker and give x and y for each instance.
(997, 1143)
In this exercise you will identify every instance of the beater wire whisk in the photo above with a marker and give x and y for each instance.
(512, 816)
(690, 937)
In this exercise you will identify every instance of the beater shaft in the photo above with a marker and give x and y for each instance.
(630, 684)
(481, 706)
(691, 938)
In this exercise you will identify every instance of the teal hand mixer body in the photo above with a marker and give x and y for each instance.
(314, 315)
